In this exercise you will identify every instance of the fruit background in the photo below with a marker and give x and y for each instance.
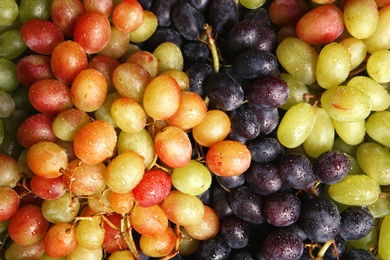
(194, 129)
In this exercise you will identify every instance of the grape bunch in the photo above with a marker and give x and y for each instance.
(194, 129)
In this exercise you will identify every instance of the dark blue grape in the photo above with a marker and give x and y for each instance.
(195, 51)
(222, 15)
(358, 254)
(282, 209)
(267, 92)
(331, 167)
(337, 249)
(268, 119)
(234, 135)
(267, 39)
(219, 198)
(296, 171)
(283, 244)
(246, 204)
(146, 4)
(245, 122)
(231, 182)
(263, 178)
(197, 75)
(235, 231)
(224, 91)
(356, 222)
(163, 34)
(162, 10)
(253, 63)
(202, 5)
(213, 249)
(320, 219)
(205, 197)
(260, 15)
(188, 20)
(265, 149)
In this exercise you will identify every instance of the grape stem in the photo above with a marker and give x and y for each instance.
(212, 47)
(323, 249)
(128, 236)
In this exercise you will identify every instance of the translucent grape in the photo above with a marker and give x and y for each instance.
(90, 233)
(63, 209)
(146, 29)
(128, 115)
(170, 56)
(378, 64)
(384, 238)
(149, 221)
(379, 40)
(207, 228)
(9, 12)
(351, 133)
(377, 127)
(9, 79)
(297, 90)
(357, 49)
(381, 207)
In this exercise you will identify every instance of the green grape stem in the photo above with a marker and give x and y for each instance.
(212, 47)
(128, 237)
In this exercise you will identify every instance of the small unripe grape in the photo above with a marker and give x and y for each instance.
(170, 56)
(63, 209)
(68, 122)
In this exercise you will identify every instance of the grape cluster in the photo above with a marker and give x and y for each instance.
(194, 129)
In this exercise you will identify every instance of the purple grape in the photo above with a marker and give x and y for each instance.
(231, 182)
(358, 254)
(195, 51)
(222, 15)
(263, 178)
(253, 63)
(245, 122)
(162, 10)
(334, 253)
(246, 204)
(188, 20)
(331, 167)
(319, 219)
(282, 209)
(219, 198)
(296, 171)
(235, 231)
(268, 119)
(265, 149)
(356, 222)
(202, 5)
(197, 75)
(213, 249)
(260, 15)
(283, 244)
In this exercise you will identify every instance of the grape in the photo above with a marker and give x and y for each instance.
(207, 228)
(146, 29)
(378, 39)
(296, 91)
(222, 15)
(67, 123)
(117, 45)
(162, 9)
(32, 68)
(252, 63)
(358, 254)
(181, 78)
(337, 249)
(247, 204)
(356, 222)
(17, 251)
(195, 51)
(319, 219)
(105, 7)
(10, 203)
(188, 20)
(219, 198)
(377, 127)
(331, 167)
(281, 209)
(113, 241)
(265, 149)
(357, 49)
(352, 133)
(231, 182)
(355, 190)
(9, 12)
(213, 249)
(146, 60)
(366, 242)
(127, 16)
(363, 26)
(376, 65)
(224, 91)
(66, 13)
(263, 178)
(8, 76)
(282, 12)
(384, 238)
(296, 125)
(63, 209)
(268, 119)
(163, 34)
(31, 9)
(60, 240)
(7, 104)
(128, 115)
(169, 56)
(197, 74)
(283, 244)
(245, 121)
(80, 252)
(148, 221)
(121, 203)
(11, 44)
(106, 65)
(123, 254)
(89, 233)
(235, 232)
(48, 188)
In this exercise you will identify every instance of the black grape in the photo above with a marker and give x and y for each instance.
(235, 136)
(213, 249)
(202, 5)
(244, 121)
(188, 20)
(331, 167)
(235, 231)
(356, 222)
(333, 252)
(162, 10)
(263, 178)
(163, 34)
(241, 254)
(267, 39)
(197, 74)
(146, 4)
(246, 204)
(205, 197)
(231, 182)
(267, 92)
(283, 244)
(268, 119)
(358, 254)
(296, 171)
(260, 15)
(282, 209)
(195, 51)
(265, 149)
(219, 198)
(224, 91)
(253, 63)
(319, 219)
(222, 15)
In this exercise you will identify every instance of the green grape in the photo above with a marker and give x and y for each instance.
(80, 252)
(379, 40)
(252, 4)
(355, 190)
(8, 11)
(298, 58)
(378, 127)
(8, 78)
(104, 111)
(321, 137)
(371, 152)
(384, 238)
(11, 44)
(1, 131)
(367, 242)
(355, 168)
(297, 90)
(379, 97)
(351, 133)
(296, 125)
(169, 56)
(381, 207)
(29, 9)
(346, 104)
(333, 65)
(193, 178)
(357, 49)
(14, 25)
(63, 209)
(90, 233)
(378, 66)
(342, 146)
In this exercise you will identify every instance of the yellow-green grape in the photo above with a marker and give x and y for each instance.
(63, 209)
(355, 190)
(296, 125)
(169, 56)
(361, 17)
(104, 112)
(378, 65)
(147, 28)
(380, 40)
(374, 159)
(342, 146)
(384, 238)
(8, 11)
(298, 58)
(297, 90)
(367, 242)
(378, 127)
(381, 207)
(252, 4)
(321, 137)
(346, 104)
(46, 257)
(355, 168)
(352, 133)
(11, 44)
(357, 49)
(80, 252)
(120, 255)
(333, 65)
(379, 97)
(8, 78)
(90, 233)
(128, 115)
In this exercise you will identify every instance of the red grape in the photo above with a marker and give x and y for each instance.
(32, 68)
(34, 129)
(9, 203)
(103, 6)
(113, 241)
(47, 188)
(65, 13)
(60, 240)
(127, 15)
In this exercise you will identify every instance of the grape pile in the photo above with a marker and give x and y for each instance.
(194, 129)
